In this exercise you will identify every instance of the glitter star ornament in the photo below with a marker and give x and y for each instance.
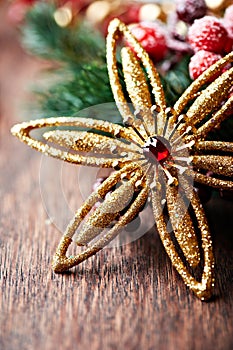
(157, 154)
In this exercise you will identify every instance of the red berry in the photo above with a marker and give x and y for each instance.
(201, 61)
(189, 10)
(229, 27)
(130, 14)
(209, 34)
(229, 44)
(228, 15)
(228, 24)
(228, 20)
(152, 38)
(18, 9)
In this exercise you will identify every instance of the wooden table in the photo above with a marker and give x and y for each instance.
(123, 298)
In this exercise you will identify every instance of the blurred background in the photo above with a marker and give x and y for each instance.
(66, 40)
(18, 70)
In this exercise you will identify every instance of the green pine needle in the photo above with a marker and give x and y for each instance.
(176, 81)
(76, 90)
(73, 45)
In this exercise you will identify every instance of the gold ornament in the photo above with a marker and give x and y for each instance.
(158, 154)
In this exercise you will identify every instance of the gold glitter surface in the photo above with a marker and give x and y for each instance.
(23, 130)
(216, 119)
(182, 225)
(221, 165)
(135, 80)
(134, 150)
(99, 194)
(107, 211)
(201, 289)
(136, 85)
(61, 262)
(88, 142)
(210, 98)
(204, 78)
(213, 181)
(218, 146)
(116, 27)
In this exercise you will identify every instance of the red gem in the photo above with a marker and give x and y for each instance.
(157, 148)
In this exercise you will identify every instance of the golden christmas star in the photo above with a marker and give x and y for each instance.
(157, 154)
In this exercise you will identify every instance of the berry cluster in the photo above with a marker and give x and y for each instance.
(210, 39)
(152, 37)
(166, 35)
(207, 36)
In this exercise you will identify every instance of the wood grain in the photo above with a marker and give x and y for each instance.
(123, 298)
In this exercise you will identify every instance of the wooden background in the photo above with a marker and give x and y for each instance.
(123, 298)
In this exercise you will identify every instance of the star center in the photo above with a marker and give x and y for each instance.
(157, 148)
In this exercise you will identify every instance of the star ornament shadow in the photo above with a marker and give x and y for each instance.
(157, 154)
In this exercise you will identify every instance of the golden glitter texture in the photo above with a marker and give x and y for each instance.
(157, 154)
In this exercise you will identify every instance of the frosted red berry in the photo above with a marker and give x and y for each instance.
(152, 38)
(201, 61)
(228, 15)
(189, 10)
(228, 24)
(208, 33)
(228, 20)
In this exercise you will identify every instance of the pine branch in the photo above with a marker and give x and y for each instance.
(77, 89)
(74, 45)
(176, 81)
(82, 79)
